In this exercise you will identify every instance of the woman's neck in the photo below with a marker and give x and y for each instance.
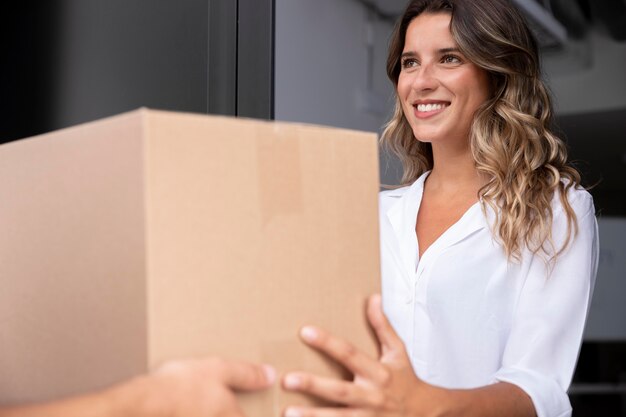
(453, 171)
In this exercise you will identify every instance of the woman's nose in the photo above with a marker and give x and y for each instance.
(425, 78)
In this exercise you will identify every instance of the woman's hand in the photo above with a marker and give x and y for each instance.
(387, 386)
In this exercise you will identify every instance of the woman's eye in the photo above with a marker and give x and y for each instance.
(409, 63)
(451, 59)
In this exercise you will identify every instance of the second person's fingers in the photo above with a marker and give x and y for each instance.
(246, 376)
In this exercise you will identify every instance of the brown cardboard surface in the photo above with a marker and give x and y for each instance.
(154, 235)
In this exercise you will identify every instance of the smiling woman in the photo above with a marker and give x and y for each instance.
(489, 251)
(438, 88)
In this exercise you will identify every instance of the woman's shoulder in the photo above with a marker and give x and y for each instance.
(578, 198)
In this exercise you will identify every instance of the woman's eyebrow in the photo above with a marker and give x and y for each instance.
(411, 54)
(448, 50)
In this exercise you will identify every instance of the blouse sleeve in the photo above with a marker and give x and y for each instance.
(547, 329)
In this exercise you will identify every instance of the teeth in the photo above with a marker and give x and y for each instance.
(429, 107)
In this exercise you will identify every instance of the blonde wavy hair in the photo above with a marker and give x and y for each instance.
(511, 140)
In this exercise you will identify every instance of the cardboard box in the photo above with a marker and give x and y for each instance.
(155, 235)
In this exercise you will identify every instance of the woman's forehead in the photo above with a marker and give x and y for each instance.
(429, 31)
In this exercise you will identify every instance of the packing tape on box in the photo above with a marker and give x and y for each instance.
(279, 173)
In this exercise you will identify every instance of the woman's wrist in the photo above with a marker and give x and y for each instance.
(431, 401)
(493, 400)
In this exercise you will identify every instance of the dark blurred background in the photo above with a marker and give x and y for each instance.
(66, 62)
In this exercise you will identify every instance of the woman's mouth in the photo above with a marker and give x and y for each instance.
(425, 110)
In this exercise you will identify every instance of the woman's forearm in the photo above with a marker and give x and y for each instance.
(497, 400)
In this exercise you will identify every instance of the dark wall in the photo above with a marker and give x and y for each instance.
(71, 61)
(27, 36)
(118, 55)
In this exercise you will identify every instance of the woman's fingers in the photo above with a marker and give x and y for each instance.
(333, 390)
(345, 353)
(387, 336)
(327, 412)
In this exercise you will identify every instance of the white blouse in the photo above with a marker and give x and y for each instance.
(469, 317)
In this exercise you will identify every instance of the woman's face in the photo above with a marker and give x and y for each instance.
(440, 90)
